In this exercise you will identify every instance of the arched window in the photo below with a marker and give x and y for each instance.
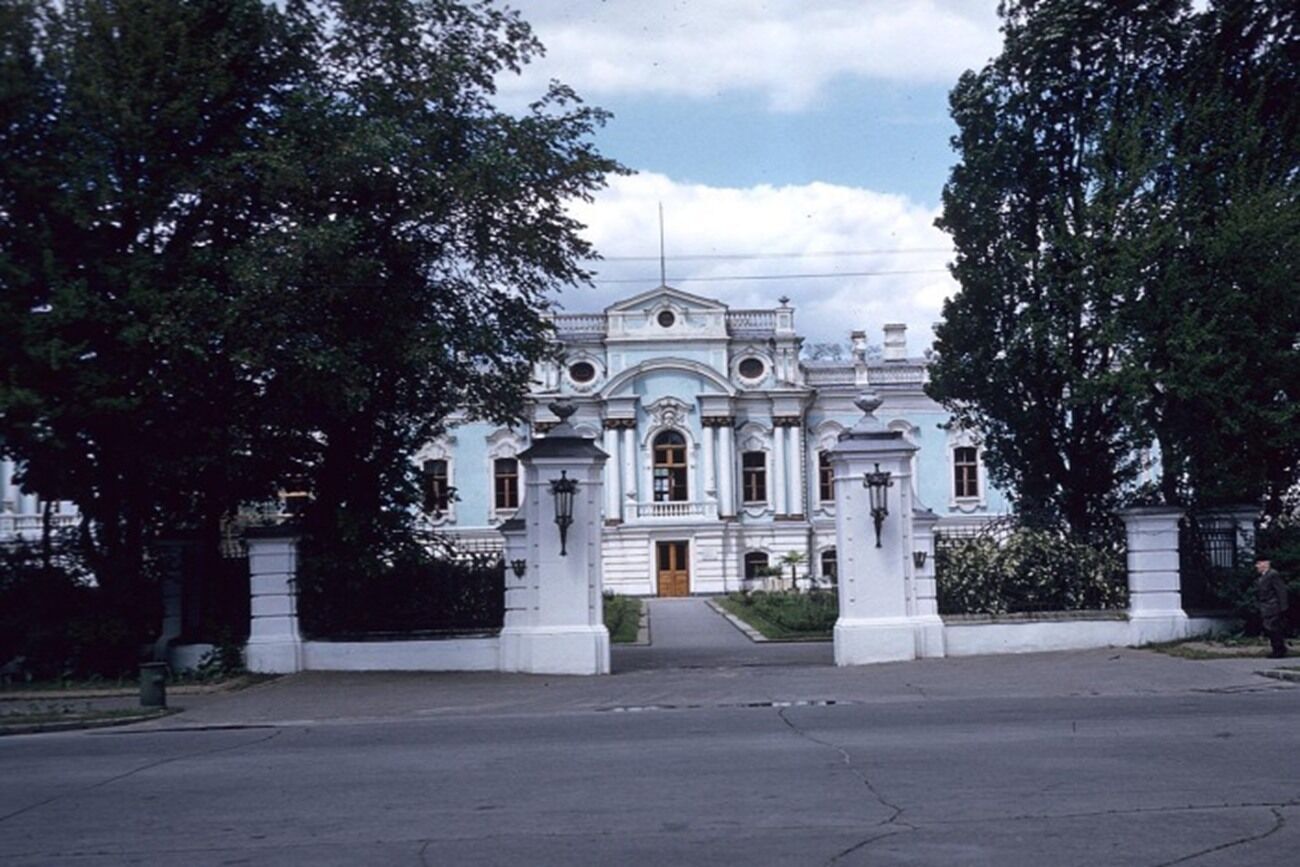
(755, 564)
(830, 565)
(670, 467)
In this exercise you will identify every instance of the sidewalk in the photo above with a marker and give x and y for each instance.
(325, 697)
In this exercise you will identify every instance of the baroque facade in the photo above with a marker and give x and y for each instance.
(717, 433)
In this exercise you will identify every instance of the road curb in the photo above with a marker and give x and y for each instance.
(77, 725)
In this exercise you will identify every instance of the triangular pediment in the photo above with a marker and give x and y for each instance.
(666, 295)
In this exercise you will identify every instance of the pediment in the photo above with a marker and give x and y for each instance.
(666, 296)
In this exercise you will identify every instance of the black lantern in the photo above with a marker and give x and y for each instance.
(918, 559)
(877, 485)
(519, 567)
(563, 490)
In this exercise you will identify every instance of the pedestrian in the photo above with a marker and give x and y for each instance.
(1270, 592)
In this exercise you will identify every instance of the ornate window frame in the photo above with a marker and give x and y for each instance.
(958, 439)
(740, 354)
(754, 436)
(590, 385)
(441, 449)
(503, 442)
(823, 438)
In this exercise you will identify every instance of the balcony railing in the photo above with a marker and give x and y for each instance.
(896, 374)
(751, 320)
(829, 375)
(580, 323)
(29, 526)
(677, 510)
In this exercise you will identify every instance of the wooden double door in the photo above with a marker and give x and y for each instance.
(673, 560)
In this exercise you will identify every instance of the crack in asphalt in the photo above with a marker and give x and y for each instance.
(1093, 814)
(894, 821)
(145, 767)
(1278, 822)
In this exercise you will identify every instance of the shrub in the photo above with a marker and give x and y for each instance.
(811, 612)
(55, 623)
(1032, 570)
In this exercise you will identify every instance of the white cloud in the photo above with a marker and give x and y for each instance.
(786, 50)
(815, 222)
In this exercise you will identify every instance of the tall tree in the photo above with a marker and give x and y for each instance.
(1055, 144)
(240, 243)
(1215, 323)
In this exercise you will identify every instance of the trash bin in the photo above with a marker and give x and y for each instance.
(153, 684)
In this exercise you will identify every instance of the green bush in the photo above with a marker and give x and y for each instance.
(55, 623)
(622, 618)
(1032, 570)
(813, 612)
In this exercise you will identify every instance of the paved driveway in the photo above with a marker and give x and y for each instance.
(688, 633)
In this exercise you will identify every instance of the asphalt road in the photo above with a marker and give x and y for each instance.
(1097, 758)
(1198, 778)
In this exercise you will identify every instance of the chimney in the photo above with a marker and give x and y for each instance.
(859, 339)
(895, 342)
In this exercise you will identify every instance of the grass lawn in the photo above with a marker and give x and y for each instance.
(622, 618)
(71, 717)
(786, 616)
(1227, 647)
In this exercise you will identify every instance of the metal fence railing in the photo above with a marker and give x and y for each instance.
(1207, 560)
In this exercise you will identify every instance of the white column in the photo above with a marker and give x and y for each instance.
(629, 471)
(879, 619)
(797, 488)
(613, 467)
(710, 479)
(6, 470)
(726, 471)
(1155, 602)
(274, 643)
(778, 469)
(562, 631)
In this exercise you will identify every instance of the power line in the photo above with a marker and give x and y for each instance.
(741, 277)
(811, 255)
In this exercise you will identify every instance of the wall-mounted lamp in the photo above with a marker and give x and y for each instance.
(519, 567)
(563, 490)
(918, 559)
(877, 485)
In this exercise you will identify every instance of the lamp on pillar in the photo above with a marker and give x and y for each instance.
(877, 484)
(563, 490)
(918, 559)
(519, 567)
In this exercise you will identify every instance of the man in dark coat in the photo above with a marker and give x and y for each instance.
(1270, 591)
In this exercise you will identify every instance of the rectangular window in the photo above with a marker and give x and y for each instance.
(506, 483)
(965, 468)
(753, 476)
(437, 493)
(825, 478)
(755, 564)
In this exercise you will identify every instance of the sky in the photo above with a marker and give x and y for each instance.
(799, 149)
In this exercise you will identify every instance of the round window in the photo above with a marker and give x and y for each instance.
(582, 372)
(751, 368)
(666, 318)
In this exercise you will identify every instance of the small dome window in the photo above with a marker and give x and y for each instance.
(751, 368)
(666, 318)
(582, 372)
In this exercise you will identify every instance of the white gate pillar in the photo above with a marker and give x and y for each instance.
(878, 619)
(1155, 601)
(557, 626)
(274, 642)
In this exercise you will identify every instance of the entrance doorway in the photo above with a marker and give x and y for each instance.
(674, 568)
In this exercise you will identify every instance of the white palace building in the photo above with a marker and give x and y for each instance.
(716, 433)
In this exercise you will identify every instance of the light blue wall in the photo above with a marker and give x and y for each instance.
(472, 474)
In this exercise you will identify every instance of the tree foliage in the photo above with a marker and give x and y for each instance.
(1109, 254)
(241, 243)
